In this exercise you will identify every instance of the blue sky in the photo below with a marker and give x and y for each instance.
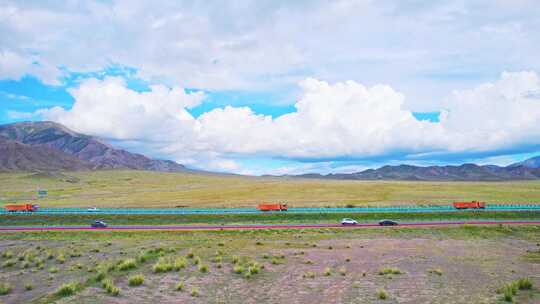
(279, 87)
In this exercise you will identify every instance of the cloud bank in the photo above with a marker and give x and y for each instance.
(343, 120)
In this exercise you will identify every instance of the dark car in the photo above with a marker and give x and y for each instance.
(387, 223)
(99, 224)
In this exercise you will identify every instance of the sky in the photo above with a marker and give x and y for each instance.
(281, 87)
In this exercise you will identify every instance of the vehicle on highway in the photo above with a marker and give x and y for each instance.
(348, 221)
(21, 207)
(388, 223)
(99, 224)
(469, 205)
(92, 209)
(272, 207)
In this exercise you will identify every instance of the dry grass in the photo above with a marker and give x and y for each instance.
(154, 189)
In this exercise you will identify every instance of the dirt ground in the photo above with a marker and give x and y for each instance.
(296, 268)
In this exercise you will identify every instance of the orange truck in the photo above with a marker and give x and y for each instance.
(21, 207)
(272, 207)
(469, 205)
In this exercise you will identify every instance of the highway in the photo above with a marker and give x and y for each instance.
(258, 227)
(188, 211)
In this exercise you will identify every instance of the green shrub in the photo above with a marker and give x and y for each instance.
(61, 258)
(238, 269)
(343, 271)
(382, 295)
(5, 288)
(194, 292)
(309, 275)
(196, 260)
(254, 268)
(162, 265)
(53, 269)
(524, 284)
(436, 271)
(235, 259)
(7, 254)
(180, 286)
(136, 280)
(190, 254)
(8, 263)
(66, 290)
(109, 287)
(100, 276)
(127, 264)
(390, 271)
(203, 268)
(327, 271)
(179, 263)
(28, 286)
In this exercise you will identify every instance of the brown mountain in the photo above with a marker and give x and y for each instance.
(18, 156)
(61, 144)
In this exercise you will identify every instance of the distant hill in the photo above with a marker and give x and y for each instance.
(533, 163)
(466, 172)
(51, 146)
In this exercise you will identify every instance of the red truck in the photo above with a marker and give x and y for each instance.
(469, 205)
(272, 207)
(21, 207)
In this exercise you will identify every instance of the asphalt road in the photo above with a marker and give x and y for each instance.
(254, 227)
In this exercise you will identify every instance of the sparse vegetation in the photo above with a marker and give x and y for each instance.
(381, 294)
(179, 263)
(109, 287)
(390, 271)
(5, 288)
(327, 271)
(66, 290)
(203, 268)
(309, 274)
(127, 264)
(162, 265)
(436, 271)
(194, 292)
(8, 263)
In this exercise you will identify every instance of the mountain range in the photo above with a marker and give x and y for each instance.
(49, 146)
(525, 170)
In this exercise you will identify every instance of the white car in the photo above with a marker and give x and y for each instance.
(348, 221)
(92, 209)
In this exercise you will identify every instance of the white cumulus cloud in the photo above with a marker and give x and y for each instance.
(331, 121)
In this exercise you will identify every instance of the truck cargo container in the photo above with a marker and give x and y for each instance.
(469, 205)
(21, 207)
(272, 207)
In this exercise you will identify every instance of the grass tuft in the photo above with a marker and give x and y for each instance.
(66, 290)
(136, 280)
(194, 292)
(127, 264)
(180, 286)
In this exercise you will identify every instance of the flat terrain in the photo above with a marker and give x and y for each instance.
(432, 265)
(155, 189)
